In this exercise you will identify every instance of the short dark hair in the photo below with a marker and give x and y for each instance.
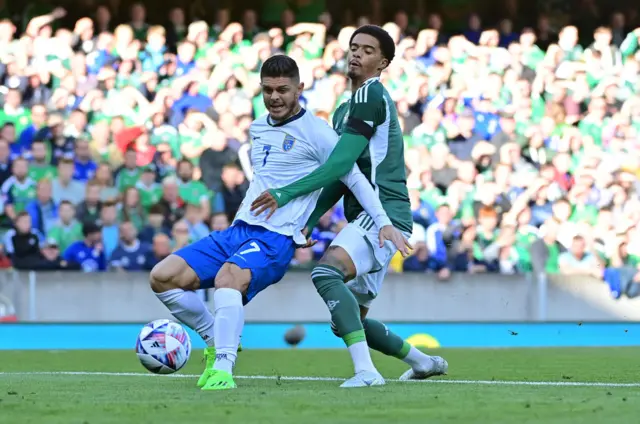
(280, 65)
(109, 204)
(22, 214)
(387, 45)
(90, 228)
(187, 161)
(157, 209)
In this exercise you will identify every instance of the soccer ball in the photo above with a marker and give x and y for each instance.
(163, 346)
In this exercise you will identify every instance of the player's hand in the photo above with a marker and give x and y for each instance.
(310, 242)
(389, 232)
(263, 203)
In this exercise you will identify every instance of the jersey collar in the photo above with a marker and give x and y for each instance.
(288, 120)
(372, 79)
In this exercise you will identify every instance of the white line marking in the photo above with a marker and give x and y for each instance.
(285, 378)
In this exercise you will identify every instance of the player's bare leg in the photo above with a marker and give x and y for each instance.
(380, 338)
(329, 277)
(231, 282)
(174, 283)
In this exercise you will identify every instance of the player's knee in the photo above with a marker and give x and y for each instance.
(171, 273)
(338, 258)
(233, 277)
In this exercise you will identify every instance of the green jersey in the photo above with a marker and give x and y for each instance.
(127, 178)
(17, 193)
(194, 192)
(19, 117)
(39, 172)
(149, 195)
(371, 110)
(65, 235)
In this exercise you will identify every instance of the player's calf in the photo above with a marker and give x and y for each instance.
(383, 340)
(329, 277)
(173, 281)
(231, 284)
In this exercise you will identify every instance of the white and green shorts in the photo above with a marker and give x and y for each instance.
(360, 239)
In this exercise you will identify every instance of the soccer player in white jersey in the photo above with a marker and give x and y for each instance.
(254, 253)
(350, 274)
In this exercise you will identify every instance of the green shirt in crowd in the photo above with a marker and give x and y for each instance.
(65, 235)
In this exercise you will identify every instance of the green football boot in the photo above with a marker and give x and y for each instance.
(209, 358)
(220, 380)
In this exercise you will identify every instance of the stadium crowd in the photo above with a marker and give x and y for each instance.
(120, 146)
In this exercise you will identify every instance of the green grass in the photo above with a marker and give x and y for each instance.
(93, 399)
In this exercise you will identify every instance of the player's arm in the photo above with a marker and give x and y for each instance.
(361, 188)
(366, 111)
(328, 198)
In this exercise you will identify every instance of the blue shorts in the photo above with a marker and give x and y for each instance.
(265, 253)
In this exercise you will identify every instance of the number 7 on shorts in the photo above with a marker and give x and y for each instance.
(254, 248)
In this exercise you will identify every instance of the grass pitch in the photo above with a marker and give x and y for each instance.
(483, 386)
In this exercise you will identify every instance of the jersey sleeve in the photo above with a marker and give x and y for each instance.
(361, 188)
(324, 140)
(367, 111)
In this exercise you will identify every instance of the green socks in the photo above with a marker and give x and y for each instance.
(343, 306)
(345, 315)
(384, 341)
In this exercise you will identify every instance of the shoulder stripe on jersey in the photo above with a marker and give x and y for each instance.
(362, 94)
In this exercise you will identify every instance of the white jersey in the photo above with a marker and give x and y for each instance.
(286, 152)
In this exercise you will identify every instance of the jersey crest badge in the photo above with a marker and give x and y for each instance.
(288, 143)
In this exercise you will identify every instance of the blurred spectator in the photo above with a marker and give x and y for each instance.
(233, 190)
(156, 224)
(180, 235)
(161, 248)
(43, 210)
(5, 163)
(438, 237)
(171, 203)
(131, 209)
(104, 178)
(40, 168)
(576, 261)
(87, 254)
(22, 244)
(194, 217)
(110, 227)
(64, 187)
(18, 190)
(130, 254)
(219, 221)
(89, 209)
(85, 167)
(67, 230)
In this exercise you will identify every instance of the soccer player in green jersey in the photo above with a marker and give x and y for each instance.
(371, 137)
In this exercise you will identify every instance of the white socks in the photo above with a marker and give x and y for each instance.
(417, 360)
(188, 308)
(229, 321)
(361, 357)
